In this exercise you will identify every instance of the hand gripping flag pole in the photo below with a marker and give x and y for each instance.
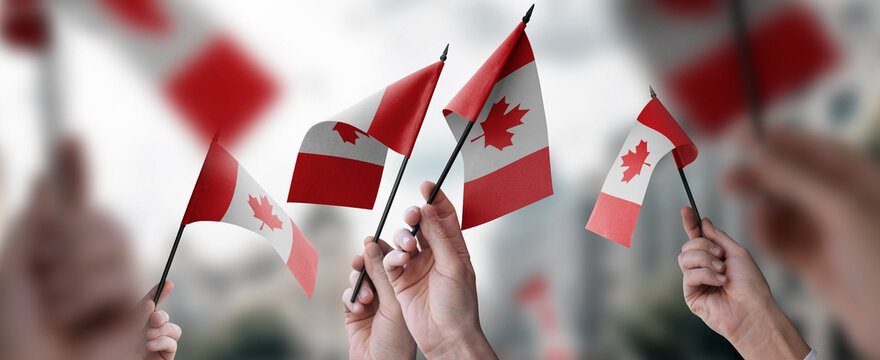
(747, 69)
(394, 187)
(687, 187)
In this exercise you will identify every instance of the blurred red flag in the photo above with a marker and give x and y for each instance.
(507, 157)
(200, 69)
(24, 23)
(691, 45)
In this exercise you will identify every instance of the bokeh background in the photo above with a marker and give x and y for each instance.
(547, 287)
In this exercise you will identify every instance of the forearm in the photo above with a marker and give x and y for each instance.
(769, 334)
(474, 345)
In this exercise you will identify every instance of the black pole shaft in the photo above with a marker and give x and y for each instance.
(747, 69)
(168, 264)
(458, 146)
(687, 190)
(360, 281)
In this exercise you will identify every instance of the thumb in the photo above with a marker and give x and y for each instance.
(373, 263)
(438, 239)
(721, 238)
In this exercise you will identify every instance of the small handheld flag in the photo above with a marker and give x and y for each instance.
(654, 135)
(507, 158)
(225, 192)
(341, 160)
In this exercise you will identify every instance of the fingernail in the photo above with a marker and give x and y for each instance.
(715, 250)
(356, 307)
(406, 241)
(372, 251)
(720, 277)
(717, 264)
(411, 209)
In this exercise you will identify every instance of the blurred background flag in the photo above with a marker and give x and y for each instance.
(506, 159)
(653, 136)
(199, 68)
(693, 49)
(534, 296)
(225, 192)
(24, 23)
(341, 160)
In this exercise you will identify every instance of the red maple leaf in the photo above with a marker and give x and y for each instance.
(347, 132)
(263, 212)
(497, 123)
(633, 161)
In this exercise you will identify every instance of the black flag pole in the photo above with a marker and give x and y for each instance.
(459, 145)
(175, 245)
(687, 187)
(747, 66)
(168, 264)
(377, 235)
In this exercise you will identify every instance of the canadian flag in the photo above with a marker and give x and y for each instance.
(198, 67)
(507, 155)
(692, 47)
(341, 160)
(654, 135)
(225, 192)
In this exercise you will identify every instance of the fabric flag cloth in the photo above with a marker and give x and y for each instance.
(654, 135)
(507, 158)
(225, 192)
(341, 160)
(199, 68)
(693, 50)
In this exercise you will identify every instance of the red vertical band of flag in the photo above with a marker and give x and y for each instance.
(403, 107)
(507, 189)
(303, 260)
(333, 180)
(510, 56)
(214, 188)
(655, 116)
(788, 49)
(614, 218)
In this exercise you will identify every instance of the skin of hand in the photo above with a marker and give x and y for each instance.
(374, 322)
(66, 288)
(725, 288)
(161, 334)
(435, 283)
(815, 205)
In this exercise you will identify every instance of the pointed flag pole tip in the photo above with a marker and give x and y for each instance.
(653, 94)
(445, 52)
(528, 14)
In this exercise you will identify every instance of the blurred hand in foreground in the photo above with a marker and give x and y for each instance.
(374, 322)
(435, 283)
(66, 283)
(724, 287)
(815, 206)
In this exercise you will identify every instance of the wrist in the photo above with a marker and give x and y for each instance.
(767, 333)
(470, 344)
